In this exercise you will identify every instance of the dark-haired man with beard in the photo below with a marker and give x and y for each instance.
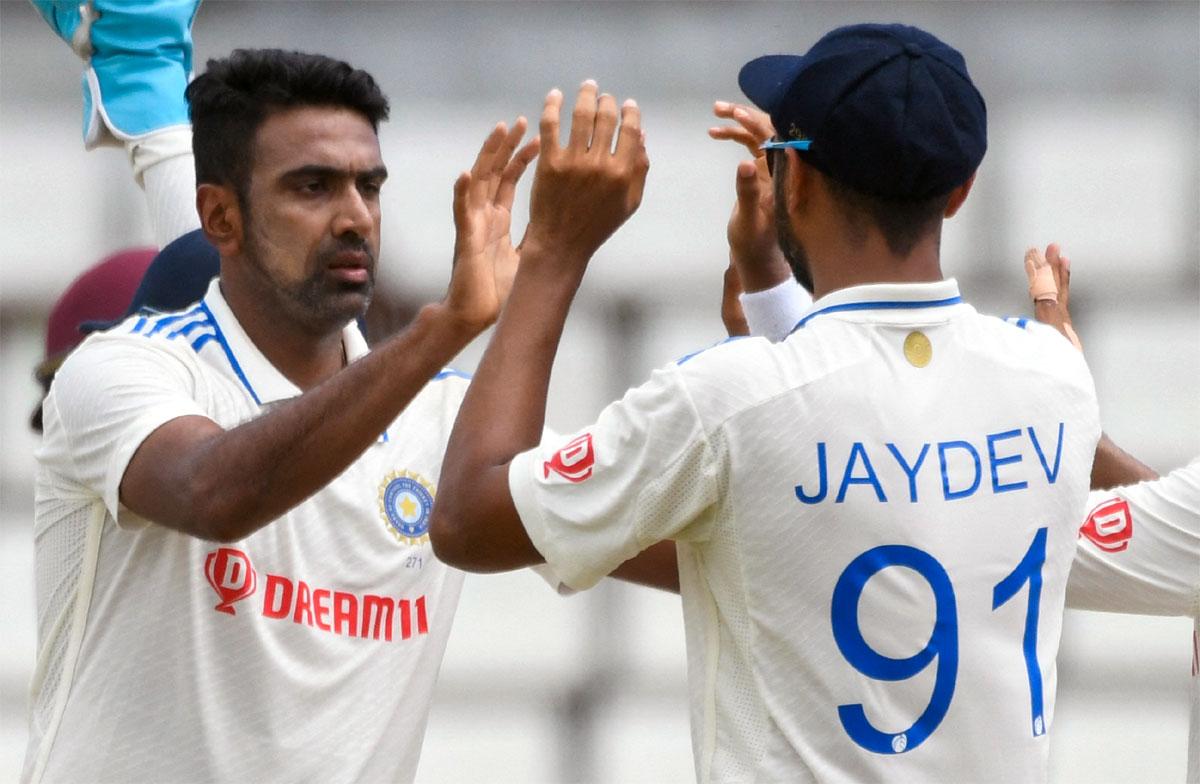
(234, 575)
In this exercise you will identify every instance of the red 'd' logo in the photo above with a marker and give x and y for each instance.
(230, 574)
(574, 461)
(1109, 526)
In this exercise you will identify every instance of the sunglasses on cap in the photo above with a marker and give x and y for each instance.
(776, 144)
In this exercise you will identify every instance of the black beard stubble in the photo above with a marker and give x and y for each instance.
(793, 251)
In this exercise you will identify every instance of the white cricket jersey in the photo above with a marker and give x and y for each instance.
(875, 519)
(307, 651)
(1139, 552)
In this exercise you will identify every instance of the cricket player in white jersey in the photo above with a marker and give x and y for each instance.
(1139, 545)
(234, 576)
(1139, 552)
(875, 517)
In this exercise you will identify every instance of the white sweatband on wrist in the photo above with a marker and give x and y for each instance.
(157, 146)
(163, 166)
(772, 313)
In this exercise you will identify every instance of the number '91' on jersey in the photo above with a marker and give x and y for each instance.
(875, 518)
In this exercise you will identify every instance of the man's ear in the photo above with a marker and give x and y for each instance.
(958, 196)
(799, 183)
(221, 218)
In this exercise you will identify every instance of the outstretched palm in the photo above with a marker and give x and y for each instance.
(485, 260)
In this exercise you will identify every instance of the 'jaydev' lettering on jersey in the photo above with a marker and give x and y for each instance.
(1009, 456)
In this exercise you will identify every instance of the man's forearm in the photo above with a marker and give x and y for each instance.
(235, 481)
(502, 415)
(1114, 467)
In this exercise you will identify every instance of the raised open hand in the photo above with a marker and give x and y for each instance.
(584, 191)
(1050, 287)
(485, 260)
(753, 246)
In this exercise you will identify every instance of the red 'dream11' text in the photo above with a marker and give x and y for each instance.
(369, 616)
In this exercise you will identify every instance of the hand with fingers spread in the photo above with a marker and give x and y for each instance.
(584, 191)
(1050, 287)
(753, 246)
(485, 260)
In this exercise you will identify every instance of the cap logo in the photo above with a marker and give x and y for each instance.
(796, 132)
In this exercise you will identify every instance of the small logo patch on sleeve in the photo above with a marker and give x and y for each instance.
(1109, 526)
(574, 461)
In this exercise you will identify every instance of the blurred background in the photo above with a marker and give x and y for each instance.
(1094, 113)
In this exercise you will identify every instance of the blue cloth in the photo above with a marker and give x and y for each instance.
(139, 54)
(889, 110)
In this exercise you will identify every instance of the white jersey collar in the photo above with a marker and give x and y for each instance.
(260, 378)
(874, 300)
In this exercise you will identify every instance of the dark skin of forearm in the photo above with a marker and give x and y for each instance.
(196, 477)
(475, 525)
(1114, 467)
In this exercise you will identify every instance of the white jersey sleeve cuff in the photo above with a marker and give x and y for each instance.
(773, 313)
(547, 573)
(570, 574)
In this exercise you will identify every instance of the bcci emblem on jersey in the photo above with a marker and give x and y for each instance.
(405, 501)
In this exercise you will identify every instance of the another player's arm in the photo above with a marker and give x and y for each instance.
(1112, 466)
(581, 194)
(192, 475)
(655, 567)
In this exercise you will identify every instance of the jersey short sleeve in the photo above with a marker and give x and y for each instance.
(646, 471)
(109, 395)
(1139, 548)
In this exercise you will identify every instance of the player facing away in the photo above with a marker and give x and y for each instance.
(1139, 545)
(876, 516)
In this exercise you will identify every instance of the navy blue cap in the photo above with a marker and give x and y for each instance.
(178, 276)
(890, 109)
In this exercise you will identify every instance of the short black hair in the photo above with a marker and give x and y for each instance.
(903, 222)
(235, 94)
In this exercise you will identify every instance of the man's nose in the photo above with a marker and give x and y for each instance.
(354, 215)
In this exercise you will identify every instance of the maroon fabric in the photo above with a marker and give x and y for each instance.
(101, 293)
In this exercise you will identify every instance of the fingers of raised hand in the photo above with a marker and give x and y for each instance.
(462, 212)
(1062, 271)
(606, 124)
(513, 171)
(753, 121)
(735, 133)
(747, 184)
(583, 117)
(1041, 277)
(485, 162)
(630, 140)
(548, 123)
(498, 166)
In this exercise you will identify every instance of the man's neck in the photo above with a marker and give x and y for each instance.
(304, 356)
(839, 265)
